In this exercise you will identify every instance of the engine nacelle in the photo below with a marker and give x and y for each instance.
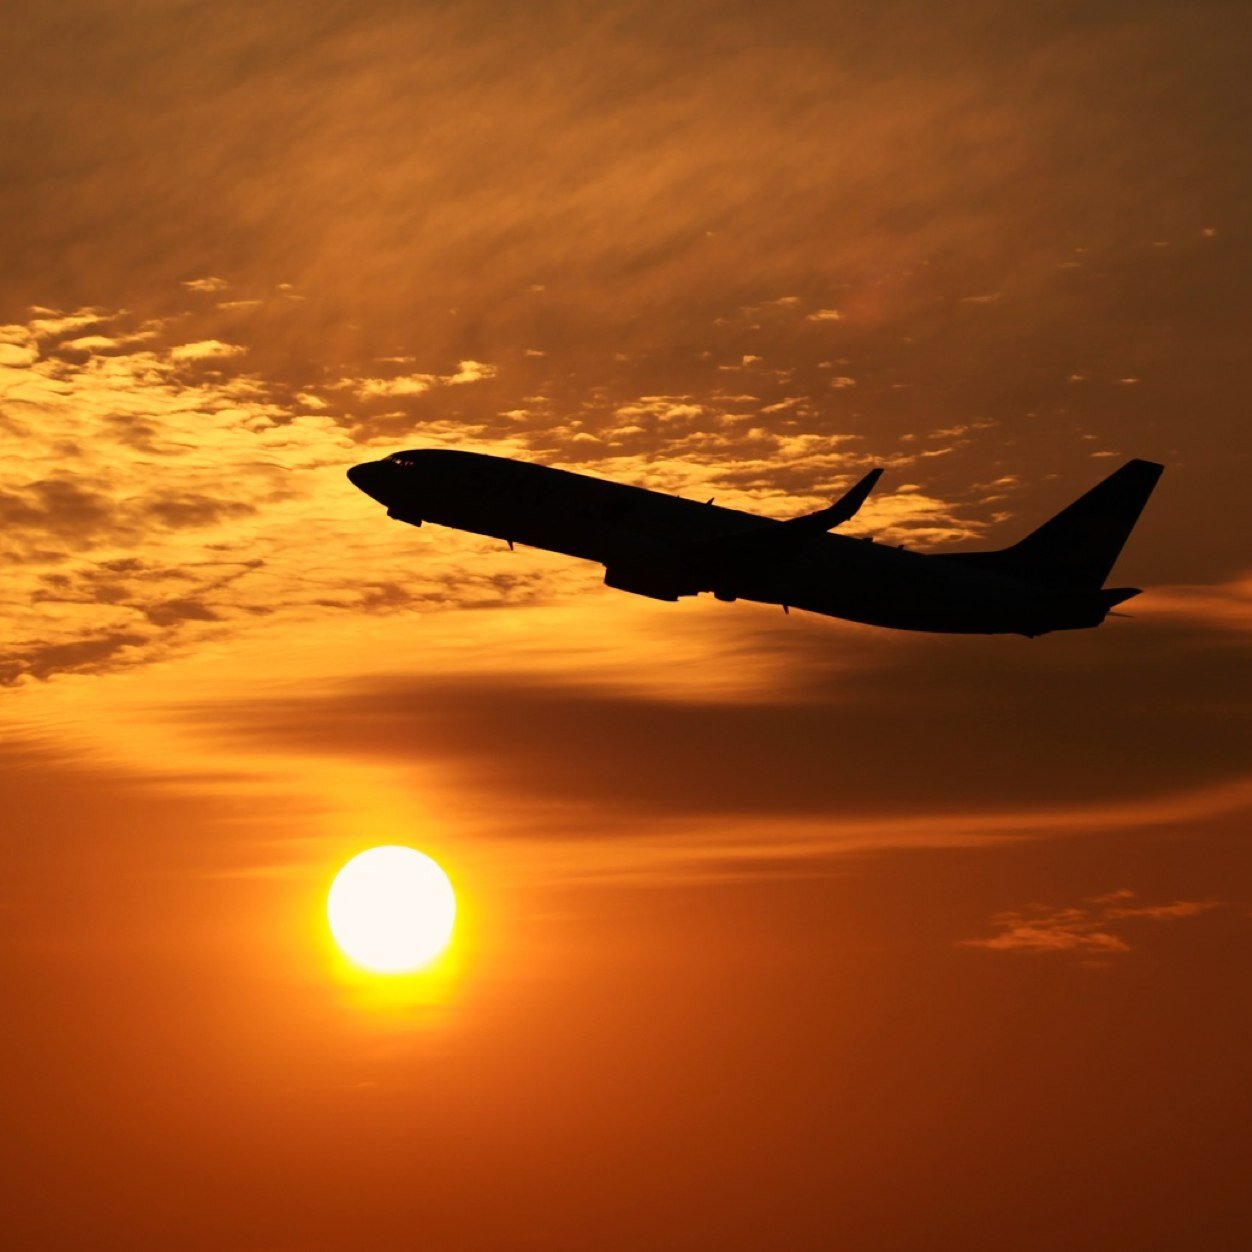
(657, 584)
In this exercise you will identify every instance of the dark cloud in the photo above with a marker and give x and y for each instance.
(180, 511)
(58, 507)
(95, 653)
(949, 726)
(173, 611)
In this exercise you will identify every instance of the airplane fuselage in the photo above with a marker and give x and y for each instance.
(665, 546)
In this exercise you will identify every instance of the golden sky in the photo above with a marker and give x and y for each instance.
(774, 931)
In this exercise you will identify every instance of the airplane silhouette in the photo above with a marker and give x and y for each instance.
(665, 546)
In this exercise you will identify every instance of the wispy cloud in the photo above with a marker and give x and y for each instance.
(401, 385)
(1095, 928)
(1224, 607)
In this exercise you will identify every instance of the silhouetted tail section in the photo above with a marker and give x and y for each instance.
(1077, 547)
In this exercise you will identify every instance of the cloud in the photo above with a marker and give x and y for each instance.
(206, 285)
(402, 385)
(206, 350)
(471, 372)
(56, 506)
(194, 510)
(52, 324)
(1067, 930)
(645, 413)
(99, 652)
(171, 612)
(406, 385)
(143, 511)
(126, 452)
(1095, 928)
(641, 238)
(16, 354)
(1223, 607)
(795, 727)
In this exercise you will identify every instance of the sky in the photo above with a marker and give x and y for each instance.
(773, 931)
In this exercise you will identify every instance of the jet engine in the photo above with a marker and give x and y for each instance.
(658, 584)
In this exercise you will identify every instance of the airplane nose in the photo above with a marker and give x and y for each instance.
(367, 477)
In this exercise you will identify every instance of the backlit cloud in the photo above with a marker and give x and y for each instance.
(416, 384)
(144, 508)
(207, 285)
(206, 350)
(162, 493)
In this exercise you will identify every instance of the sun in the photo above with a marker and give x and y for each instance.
(391, 909)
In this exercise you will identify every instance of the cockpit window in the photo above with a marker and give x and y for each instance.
(401, 458)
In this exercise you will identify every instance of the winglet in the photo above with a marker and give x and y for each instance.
(843, 509)
(765, 539)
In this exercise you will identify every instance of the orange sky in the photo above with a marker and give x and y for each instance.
(775, 931)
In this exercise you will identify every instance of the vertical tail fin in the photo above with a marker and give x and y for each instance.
(1077, 547)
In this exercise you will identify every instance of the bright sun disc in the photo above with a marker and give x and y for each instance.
(391, 909)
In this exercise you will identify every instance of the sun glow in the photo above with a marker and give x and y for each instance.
(391, 909)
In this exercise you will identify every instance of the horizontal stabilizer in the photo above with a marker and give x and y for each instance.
(1118, 595)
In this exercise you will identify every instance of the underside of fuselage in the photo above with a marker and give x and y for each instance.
(667, 547)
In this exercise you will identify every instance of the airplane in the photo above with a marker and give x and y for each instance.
(667, 547)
